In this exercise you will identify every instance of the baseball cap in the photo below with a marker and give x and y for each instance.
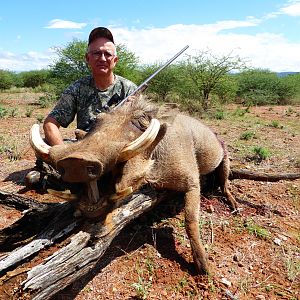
(100, 32)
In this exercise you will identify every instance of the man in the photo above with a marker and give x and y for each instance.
(84, 99)
(89, 95)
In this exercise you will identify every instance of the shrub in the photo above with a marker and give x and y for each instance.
(261, 153)
(47, 100)
(13, 112)
(220, 115)
(3, 112)
(29, 111)
(247, 135)
(34, 78)
(6, 80)
(40, 118)
(260, 87)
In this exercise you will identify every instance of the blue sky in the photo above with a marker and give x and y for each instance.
(265, 33)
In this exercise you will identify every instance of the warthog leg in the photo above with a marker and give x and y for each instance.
(223, 174)
(192, 205)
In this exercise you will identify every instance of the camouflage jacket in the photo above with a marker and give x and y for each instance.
(84, 100)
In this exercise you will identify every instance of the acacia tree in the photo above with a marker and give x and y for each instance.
(70, 63)
(203, 71)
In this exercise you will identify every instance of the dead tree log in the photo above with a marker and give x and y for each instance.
(36, 218)
(261, 176)
(81, 254)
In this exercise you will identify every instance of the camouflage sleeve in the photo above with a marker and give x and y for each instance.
(65, 110)
(131, 87)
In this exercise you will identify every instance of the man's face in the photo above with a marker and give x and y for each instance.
(101, 56)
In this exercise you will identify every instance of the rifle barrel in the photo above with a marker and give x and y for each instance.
(154, 74)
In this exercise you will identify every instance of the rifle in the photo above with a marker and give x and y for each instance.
(144, 84)
(139, 89)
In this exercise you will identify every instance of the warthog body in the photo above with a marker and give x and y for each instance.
(182, 150)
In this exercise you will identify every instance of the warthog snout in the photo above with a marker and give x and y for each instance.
(80, 167)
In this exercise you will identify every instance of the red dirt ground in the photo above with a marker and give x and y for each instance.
(255, 255)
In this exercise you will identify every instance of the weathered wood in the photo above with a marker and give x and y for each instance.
(76, 259)
(81, 254)
(35, 218)
(261, 176)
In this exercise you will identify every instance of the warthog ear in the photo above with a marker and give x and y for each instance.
(142, 122)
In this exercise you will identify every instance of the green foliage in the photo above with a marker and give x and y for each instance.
(71, 64)
(219, 114)
(6, 79)
(261, 153)
(3, 112)
(256, 230)
(261, 87)
(163, 83)
(40, 118)
(247, 135)
(47, 100)
(13, 112)
(275, 124)
(293, 81)
(127, 65)
(203, 72)
(240, 112)
(34, 78)
(226, 89)
(28, 112)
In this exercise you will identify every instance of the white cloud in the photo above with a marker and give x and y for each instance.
(292, 9)
(269, 51)
(57, 23)
(26, 61)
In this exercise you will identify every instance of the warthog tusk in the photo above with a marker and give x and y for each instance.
(37, 143)
(142, 142)
(122, 194)
(93, 191)
(66, 195)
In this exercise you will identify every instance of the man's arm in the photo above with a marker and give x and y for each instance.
(52, 133)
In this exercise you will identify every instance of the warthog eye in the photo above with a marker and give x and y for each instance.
(142, 122)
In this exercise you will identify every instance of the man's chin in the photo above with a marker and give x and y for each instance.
(102, 71)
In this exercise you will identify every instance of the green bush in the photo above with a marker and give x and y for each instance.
(6, 80)
(261, 87)
(3, 112)
(47, 100)
(34, 78)
(261, 153)
(247, 135)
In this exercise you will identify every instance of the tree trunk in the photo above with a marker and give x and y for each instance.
(80, 255)
(261, 176)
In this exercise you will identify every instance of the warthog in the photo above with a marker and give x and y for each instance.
(136, 144)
